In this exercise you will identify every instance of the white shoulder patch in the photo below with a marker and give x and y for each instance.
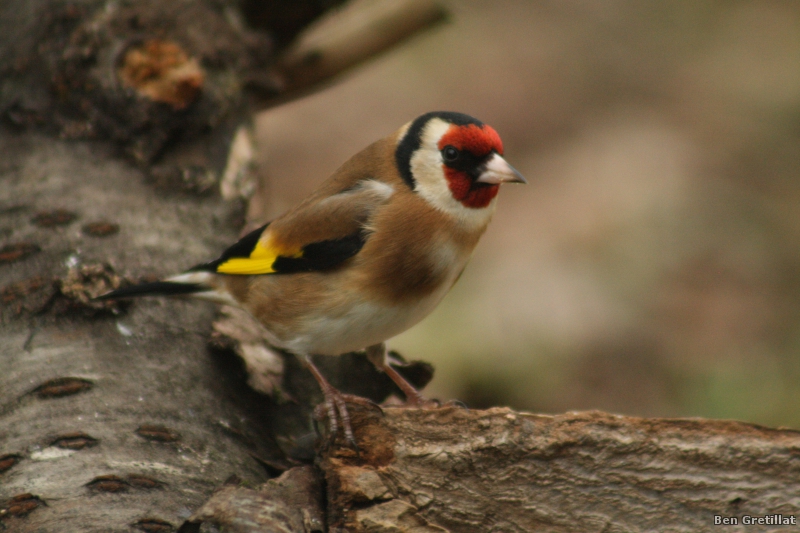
(379, 188)
(370, 190)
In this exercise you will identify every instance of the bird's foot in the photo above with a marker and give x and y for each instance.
(335, 410)
(335, 407)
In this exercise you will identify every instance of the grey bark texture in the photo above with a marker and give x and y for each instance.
(115, 418)
(124, 156)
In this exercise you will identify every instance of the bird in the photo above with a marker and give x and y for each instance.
(369, 254)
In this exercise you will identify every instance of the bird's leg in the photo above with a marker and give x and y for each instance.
(335, 403)
(378, 354)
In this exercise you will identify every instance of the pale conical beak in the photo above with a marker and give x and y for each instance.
(497, 171)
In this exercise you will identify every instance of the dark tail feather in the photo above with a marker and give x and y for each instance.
(157, 288)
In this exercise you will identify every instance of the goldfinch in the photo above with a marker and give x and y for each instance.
(367, 255)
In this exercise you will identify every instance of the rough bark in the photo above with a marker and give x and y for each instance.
(291, 503)
(451, 469)
(158, 427)
(499, 470)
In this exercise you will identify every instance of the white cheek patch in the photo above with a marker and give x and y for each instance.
(426, 166)
(431, 184)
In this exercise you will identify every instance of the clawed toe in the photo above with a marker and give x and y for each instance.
(335, 407)
(335, 410)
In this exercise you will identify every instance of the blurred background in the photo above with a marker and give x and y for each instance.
(652, 264)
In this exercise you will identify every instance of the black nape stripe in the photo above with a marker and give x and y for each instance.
(243, 248)
(413, 139)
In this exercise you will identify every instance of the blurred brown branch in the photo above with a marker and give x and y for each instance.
(344, 38)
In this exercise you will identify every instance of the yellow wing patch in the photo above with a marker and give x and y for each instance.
(260, 261)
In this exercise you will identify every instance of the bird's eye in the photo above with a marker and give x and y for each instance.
(450, 153)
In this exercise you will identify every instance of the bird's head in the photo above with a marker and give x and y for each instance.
(455, 162)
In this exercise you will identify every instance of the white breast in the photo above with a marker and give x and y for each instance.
(362, 322)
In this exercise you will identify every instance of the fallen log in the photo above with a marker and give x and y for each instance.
(458, 470)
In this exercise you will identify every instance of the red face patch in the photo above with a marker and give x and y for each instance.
(466, 192)
(479, 141)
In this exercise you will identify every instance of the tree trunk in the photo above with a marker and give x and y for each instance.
(112, 418)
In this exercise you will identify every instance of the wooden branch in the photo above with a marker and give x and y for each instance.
(290, 503)
(452, 469)
(455, 470)
(349, 36)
